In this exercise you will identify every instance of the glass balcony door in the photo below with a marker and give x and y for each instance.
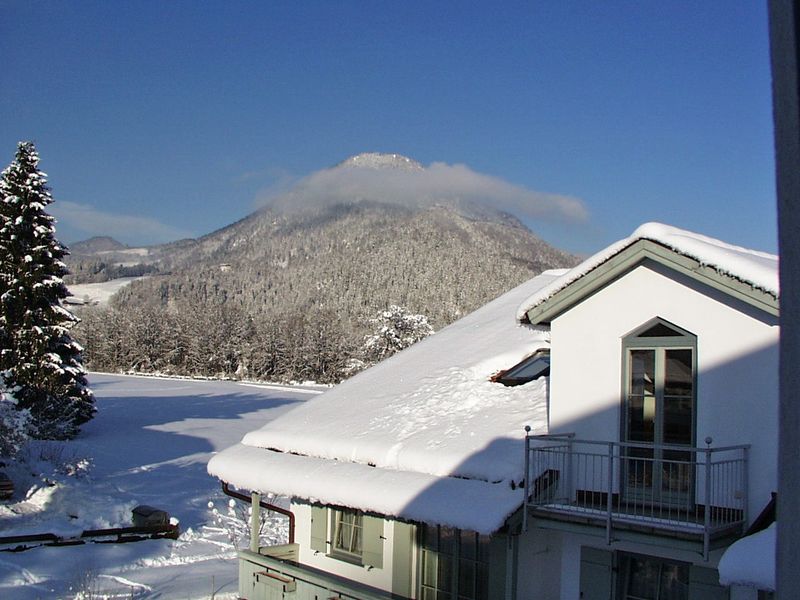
(659, 410)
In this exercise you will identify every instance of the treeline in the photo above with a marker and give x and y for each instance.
(213, 340)
(92, 270)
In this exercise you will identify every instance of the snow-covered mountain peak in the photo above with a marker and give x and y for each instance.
(380, 160)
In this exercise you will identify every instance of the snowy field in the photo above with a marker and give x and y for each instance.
(149, 444)
(98, 293)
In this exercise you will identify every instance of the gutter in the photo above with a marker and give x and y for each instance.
(229, 492)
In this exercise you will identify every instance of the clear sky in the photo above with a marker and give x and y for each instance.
(157, 120)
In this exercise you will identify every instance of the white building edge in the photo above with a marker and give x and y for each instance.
(652, 407)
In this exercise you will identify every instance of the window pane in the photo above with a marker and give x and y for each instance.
(447, 540)
(639, 471)
(678, 420)
(641, 396)
(459, 570)
(653, 579)
(348, 527)
(483, 548)
(660, 330)
(482, 583)
(530, 368)
(678, 376)
(643, 367)
(674, 582)
(444, 577)
(468, 548)
(678, 397)
(430, 535)
(641, 418)
(428, 568)
(642, 579)
(676, 471)
(466, 579)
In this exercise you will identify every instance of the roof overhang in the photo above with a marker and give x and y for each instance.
(634, 255)
(471, 504)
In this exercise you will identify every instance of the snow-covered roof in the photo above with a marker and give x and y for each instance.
(758, 269)
(750, 561)
(424, 435)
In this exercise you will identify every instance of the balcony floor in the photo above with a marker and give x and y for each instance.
(683, 528)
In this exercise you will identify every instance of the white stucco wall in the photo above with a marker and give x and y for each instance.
(377, 577)
(737, 357)
(539, 556)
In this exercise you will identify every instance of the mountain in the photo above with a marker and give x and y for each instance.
(377, 160)
(327, 269)
(97, 245)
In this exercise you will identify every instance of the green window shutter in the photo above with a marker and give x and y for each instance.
(704, 585)
(319, 529)
(402, 556)
(596, 574)
(372, 554)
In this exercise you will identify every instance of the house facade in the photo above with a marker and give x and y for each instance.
(646, 378)
(671, 450)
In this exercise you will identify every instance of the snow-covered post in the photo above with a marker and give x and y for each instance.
(255, 520)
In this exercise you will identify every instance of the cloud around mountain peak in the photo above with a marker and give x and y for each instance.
(396, 179)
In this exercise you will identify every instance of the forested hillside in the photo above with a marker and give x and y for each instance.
(289, 294)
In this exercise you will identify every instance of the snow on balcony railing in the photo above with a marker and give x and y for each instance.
(697, 491)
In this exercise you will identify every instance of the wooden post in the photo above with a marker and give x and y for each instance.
(255, 520)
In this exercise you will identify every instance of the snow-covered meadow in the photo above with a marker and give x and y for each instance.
(149, 444)
(97, 293)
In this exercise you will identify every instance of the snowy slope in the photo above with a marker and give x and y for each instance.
(97, 293)
(149, 444)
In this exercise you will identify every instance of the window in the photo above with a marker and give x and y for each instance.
(659, 361)
(535, 366)
(648, 578)
(454, 564)
(347, 533)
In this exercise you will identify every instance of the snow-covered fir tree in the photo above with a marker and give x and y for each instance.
(395, 328)
(40, 363)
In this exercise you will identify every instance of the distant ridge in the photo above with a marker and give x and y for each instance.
(97, 244)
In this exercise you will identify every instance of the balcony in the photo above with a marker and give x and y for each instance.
(273, 573)
(697, 495)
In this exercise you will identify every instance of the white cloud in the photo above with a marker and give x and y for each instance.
(439, 182)
(87, 221)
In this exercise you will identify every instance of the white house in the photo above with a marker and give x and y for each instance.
(647, 377)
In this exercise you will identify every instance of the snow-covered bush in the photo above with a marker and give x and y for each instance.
(55, 458)
(395, 328)
(234, 520)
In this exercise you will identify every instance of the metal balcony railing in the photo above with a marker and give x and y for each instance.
(698, 492)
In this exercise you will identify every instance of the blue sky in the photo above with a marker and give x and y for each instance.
(159, 120)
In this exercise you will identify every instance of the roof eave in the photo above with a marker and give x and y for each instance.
(635, 254)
